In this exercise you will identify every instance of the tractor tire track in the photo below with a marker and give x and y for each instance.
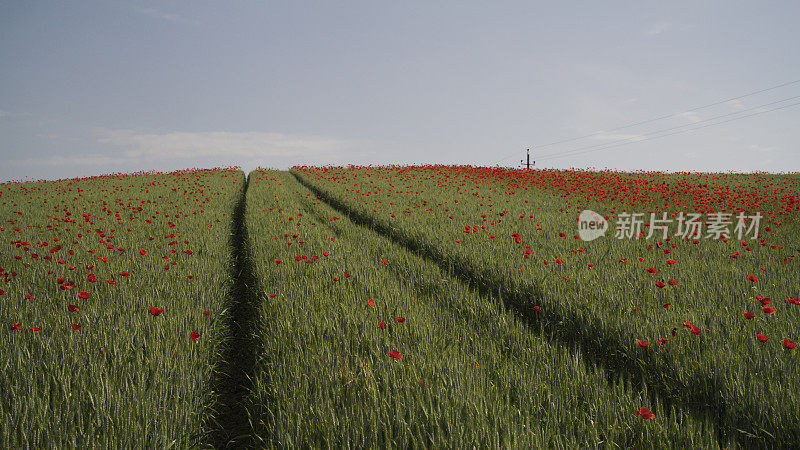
(229, 426)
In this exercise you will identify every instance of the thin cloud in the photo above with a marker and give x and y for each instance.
(736, 104)
(611, 136)
(158, 14)
(250, 145)
(16, 115)
(82, 160)
(761, 149)
(690, 116)
(143, 149)
(658, 28)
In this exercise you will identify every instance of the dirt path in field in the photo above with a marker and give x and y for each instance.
(232, 429)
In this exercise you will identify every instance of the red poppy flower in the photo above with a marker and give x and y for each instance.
(400, 319)
(325, 253)
(206, 313)
(278, 261)
(124, 273)
(395, 354)
(662, 341)
(667, 305)
(72, 308)
(789, 344)
(768, 309)
(752, 278)
(272, 295)
(385, 261)
(672, 282)
(642, 343)
(748, 315)
(155, 310)
(35, 329)
(762, 337)
(194, 335)
(84, 295)
(645, 413)
(536, 308)
(16, 326)
(143, 252)
(371, 303)
(651, 270)
(29, 297)
(110, 281)
(75, 327)
(660, 284)
(60, 280)
(671, 261)
(382, 325)
(190, 276)
(793, 301)
(696, 330)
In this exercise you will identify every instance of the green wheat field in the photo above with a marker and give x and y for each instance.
(400, 307)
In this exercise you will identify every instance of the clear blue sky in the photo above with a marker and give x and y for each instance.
(95, 87)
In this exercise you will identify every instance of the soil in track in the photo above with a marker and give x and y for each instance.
(232, 429)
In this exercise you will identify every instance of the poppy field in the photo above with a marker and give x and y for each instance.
(111, 290)
(708, 325)
(398, 306)
(369, 344)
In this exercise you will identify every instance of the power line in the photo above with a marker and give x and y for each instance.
(566, 153)
(658, 118)
(671, 115)
(674, 133)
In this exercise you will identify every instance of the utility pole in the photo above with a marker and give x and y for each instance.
(528, 164)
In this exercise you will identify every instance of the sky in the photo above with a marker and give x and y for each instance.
(99, 87)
